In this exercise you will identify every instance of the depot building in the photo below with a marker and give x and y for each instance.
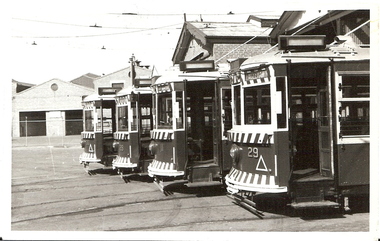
(54, 108)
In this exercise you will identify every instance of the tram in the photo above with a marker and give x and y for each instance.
(191, 115)
(99, 124)
(132, 137)
(301, 124)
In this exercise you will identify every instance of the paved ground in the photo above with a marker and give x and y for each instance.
(51, 192)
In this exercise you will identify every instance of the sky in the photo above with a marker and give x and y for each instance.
(53, 38)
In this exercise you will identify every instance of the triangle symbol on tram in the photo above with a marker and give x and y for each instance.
(261, 166)
(90, 148)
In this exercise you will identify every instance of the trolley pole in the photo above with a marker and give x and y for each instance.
(26, 130)
(132, 62)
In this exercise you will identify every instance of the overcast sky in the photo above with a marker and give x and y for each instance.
(67, 47)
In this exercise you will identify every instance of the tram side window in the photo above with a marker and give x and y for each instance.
(354, 108)
(257, 106)
(354, 118)
(88, 120)
(237, 109)
(164, 111)
(122, 118)
(355, 86)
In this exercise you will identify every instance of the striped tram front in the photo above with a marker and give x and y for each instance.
(163, 168)
(240, 180)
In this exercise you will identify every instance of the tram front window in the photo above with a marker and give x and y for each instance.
(134, 125)
(122, 118)
(107, 121)
(237, 109)
(88, 120)
(257, 107)
(164, 109)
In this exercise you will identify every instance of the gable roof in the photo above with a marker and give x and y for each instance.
(216, 32)
(60, 82)
(86, 80)
(301, 22)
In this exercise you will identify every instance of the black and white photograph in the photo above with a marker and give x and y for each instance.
(190, 120)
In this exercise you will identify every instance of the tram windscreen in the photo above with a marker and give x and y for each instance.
(164, 111)
(122, 123)
(237, 109)
(88, 120)
(107, 121)
(178, 110)
(257, 106)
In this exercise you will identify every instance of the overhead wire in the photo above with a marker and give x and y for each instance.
(100, 35)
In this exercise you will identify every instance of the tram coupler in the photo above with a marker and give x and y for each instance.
(246, 204)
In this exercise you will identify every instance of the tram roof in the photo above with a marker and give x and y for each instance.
(178, 76)
(340, 52)
(94, 97)
(128, 90)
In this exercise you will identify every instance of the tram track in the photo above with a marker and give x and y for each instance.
(172, 198)
(47, 188)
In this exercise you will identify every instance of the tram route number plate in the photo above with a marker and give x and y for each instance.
(253, 152)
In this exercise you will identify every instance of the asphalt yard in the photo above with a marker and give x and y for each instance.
(50, 191)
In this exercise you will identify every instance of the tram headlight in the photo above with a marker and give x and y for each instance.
(115, 145)
(235, 152)
(83, 143)
(153, 147)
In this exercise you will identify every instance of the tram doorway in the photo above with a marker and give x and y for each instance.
(310, 117)
(200, 111)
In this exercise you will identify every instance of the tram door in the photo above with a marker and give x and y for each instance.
(200, 111)
(325, 130)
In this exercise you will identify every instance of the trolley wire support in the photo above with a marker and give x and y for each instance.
(246, 204)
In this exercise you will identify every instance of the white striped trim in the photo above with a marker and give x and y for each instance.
(87, 135)
(121, 136)
(121, 100)
(248, 137)
(163, 169)
(88, 105)
(237, 176)
(88, 157)
(252, 82)
(162, 135)
(123, 162)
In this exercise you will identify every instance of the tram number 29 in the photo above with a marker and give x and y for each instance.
(253, 152)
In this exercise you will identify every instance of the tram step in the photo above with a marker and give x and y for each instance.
(304, 172)
(203, 164)
(313, 188)
(203, 184)
(203, 173)
(320, 204)
(316, 178)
